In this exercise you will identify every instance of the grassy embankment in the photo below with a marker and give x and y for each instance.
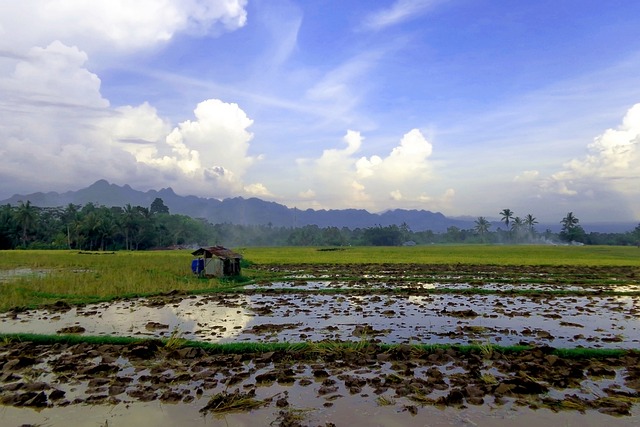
(310, 350)
(36, 278)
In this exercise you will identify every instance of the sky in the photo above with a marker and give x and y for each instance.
(464, 107)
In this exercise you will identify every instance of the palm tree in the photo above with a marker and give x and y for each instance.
(569, 222)
(571, 230)
(25, 216)
(71, 217)
(530, 221)
(507, 215)
(517, 226)
(129, 224)
(482, 226)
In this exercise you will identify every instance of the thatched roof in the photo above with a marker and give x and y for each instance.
(217, 251)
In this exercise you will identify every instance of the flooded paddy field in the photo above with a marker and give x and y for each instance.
(359, 361)
(567, 321)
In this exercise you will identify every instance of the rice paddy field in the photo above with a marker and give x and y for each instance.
(425, 335)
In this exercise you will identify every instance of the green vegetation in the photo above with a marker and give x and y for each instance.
(92, 227)
(38, 277)
(224, 402)
(452, 254)
(312, 350)
(30, 278)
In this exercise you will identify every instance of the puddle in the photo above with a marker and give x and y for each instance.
(346, 412)
(587, 321)
(315, 285)
(15, 273)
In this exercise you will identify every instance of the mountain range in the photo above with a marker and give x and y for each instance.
(254, 211)
(238, 210)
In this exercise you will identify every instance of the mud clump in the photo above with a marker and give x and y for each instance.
(409, 377)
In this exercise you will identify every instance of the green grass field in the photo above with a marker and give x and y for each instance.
(34, 278)
(452, 254)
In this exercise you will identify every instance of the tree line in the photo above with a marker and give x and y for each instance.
(522, 230)
(92, 227)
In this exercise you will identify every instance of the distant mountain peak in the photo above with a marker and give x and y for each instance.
(238, 210)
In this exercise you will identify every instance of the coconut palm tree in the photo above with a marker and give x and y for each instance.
(70, 217)
(26, 216)
(517, 226)
(530, 221)
(482, 226)
(571, 230)
(569, 222)
(507, 216)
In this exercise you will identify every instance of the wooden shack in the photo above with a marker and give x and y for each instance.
(217, 261)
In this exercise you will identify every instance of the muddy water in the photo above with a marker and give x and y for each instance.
(341, 414)
(589, 321)
(101, 385)
(438, 285)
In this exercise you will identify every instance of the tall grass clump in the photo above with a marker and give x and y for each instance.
(79, 277)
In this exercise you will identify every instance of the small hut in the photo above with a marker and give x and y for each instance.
(216, 261)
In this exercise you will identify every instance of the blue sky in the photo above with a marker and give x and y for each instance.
(465, 107)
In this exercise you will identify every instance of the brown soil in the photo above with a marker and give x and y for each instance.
(41, 376)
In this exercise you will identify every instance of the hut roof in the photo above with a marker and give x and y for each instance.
(217, 251)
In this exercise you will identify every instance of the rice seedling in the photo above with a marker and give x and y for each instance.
(228, 402)
(292, 416)
(421, 397)
(489, 379)
(385, 401)
(175, 341)
(486, 350)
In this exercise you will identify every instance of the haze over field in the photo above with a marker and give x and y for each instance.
(459, 106)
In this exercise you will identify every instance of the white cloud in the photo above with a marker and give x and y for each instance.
(210, 151)
(400, 11)
(613, 158)
(396, 195)
(307, 194)
(55, 119)
(53, 76)
(50, 107)
(526, 176)
(342, 179)
(122, 24)
(257, 190)
(603, 184)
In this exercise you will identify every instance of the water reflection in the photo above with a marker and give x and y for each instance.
(587, 321)
(424, 285)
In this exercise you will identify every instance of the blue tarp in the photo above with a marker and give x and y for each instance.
(197, 266)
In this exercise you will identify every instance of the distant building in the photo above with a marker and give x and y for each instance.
(216, 261)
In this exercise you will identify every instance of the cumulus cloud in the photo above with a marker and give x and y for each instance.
(55, 119)
(613, 159)
(343, 179)
(121, 24)
(527, 176)
(608, 175)
(49, 107)
(52, 76)
(209, 152)
(257, 190)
